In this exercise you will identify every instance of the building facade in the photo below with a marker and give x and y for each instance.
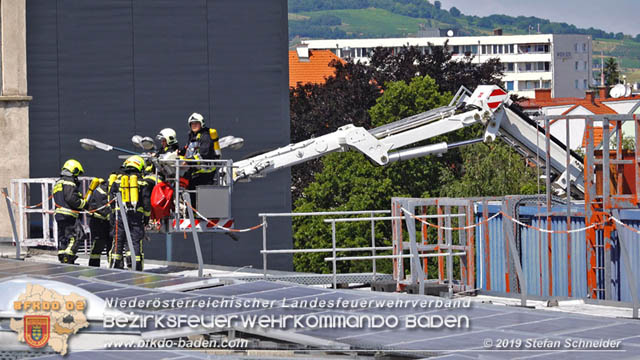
(561, 63)
(109, 70)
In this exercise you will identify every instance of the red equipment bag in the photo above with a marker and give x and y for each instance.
(161, 201)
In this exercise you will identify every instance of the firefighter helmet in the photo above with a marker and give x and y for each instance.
(169, 135)
(195, 117)
(74, 167)
(134, 162)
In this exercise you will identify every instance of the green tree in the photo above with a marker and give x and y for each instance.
(491, 169)
(611, 72)
(348, 181)
(454, 11)
(437, 4)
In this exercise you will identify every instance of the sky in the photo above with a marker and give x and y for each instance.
(609, 15)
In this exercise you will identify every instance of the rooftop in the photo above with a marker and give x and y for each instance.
(314, 69)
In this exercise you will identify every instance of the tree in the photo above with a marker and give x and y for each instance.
(454, 11)
(347, 96)
(349, 181)
(637, 38)
(437, 4)
(619, 36)
(611, 72)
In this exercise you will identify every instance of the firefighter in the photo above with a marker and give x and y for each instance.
(168, 141)
(203, 145)
(69, 201)
(98, 205)
(136, 199)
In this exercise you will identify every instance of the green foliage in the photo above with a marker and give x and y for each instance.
(492, 169)
(348, 181)
(611, 72)
(455, 12)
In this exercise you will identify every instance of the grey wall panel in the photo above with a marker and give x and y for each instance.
(42, 70)
(108, 70)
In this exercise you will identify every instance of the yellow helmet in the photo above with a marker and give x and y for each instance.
(74, 167)
(134, 162)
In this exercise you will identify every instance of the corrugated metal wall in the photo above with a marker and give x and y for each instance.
(534, 254)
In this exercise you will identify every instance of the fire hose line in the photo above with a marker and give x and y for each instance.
(225, 228)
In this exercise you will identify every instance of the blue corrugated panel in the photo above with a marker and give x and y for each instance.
(497, 252)
(619, 280)
(534, 254)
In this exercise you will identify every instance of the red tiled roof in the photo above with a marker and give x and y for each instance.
(597, 136)
(314, 71)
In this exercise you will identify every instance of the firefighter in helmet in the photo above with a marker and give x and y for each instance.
(203, 145)
(135, 193)
(69, 202)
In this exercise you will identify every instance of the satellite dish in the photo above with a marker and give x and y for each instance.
(450, 33)
(617, 91)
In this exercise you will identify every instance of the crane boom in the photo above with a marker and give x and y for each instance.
(488, 104)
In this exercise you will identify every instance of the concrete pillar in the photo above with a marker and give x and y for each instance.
(14, 101)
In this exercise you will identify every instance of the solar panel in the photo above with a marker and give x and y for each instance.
(244, 288)
(88, 272)
(285, 293)
(118, 276)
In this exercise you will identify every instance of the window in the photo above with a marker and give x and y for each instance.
(584, 84)
(546, 84)
(575, 47)
(584, 65)
(456, 49)
(528, 66)
(484, 49)
(540, 48)
(509, 85)
(540, 66)
(584, 47)
(576, 84)
(508, 67)
(511, 49)
(577, 65)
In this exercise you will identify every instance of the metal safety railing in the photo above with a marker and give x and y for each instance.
(334, 249)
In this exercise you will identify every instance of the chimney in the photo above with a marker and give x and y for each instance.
(602, 92)
(543, 94)
(303, 52)
(497, 31)
(590, 96)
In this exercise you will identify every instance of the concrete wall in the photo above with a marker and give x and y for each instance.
(564, 59)
(14, 102)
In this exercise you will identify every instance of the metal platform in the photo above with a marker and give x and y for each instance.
(320, 279)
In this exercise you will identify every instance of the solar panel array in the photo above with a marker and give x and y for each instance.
(486, 321)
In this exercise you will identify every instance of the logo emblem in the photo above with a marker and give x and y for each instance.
(36, 330)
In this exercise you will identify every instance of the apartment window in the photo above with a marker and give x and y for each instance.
(540, 66)
(508, 67)
(456, 50)
(540, 48)
(584, 84)
(584, 65)
(511, 49)
(528, 66)
(575, 47)
(509, 85)
(495, 49)
(584, 47)
(528, 85)
(576, 83)
(546, 84)
(484, 49)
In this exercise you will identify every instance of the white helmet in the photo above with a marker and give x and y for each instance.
(195, 117)
(169, 135)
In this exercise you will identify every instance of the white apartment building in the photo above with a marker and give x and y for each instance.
(559, 62)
